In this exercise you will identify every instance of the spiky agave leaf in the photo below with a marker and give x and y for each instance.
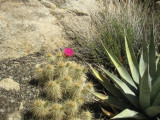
(127, 92)
(127, 113)
(147, 77)
(152, 56)
(110, 87)
(133, 64)
(122, 71)
(112, 100)
(143, 58)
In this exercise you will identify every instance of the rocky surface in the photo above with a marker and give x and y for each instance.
(28, 26)
(29, 29)
(22, 71)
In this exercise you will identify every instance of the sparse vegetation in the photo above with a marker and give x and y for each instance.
(109, 30)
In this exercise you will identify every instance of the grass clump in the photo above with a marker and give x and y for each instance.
(108, 30)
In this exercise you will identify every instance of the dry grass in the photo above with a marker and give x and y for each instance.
(108, 26)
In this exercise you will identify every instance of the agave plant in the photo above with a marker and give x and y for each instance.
(141, 89)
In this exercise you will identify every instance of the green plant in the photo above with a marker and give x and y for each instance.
(66, 89)
(141, 90)
(108, 27)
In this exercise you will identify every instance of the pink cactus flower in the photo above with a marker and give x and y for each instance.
(68, 52)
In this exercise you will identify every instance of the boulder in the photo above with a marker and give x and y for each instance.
(9, 84)
(28, 26)
(76, 16)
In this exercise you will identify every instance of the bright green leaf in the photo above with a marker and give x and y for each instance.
(156, 85)
(130, 95)
(156, 101)
(144, 96)
(122, 71)
(109, 86)
(152, 56)
(127, 113)
(112, 101)
(143, 59)
(132, 62)
(153, 111)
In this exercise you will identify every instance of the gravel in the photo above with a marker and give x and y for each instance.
(22, 71)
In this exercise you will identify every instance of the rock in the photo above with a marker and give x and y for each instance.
(26, 26)
(48, 4)
(29, 26)
(75, 16)
(9, 84)
(14, 116)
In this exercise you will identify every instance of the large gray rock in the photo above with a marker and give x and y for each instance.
(76, 16)
(28, 26)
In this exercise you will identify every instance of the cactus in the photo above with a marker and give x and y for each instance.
(87, 115)
(57, 111)
(53, 90)
(40, 108)
(71, 108)
(66, 88)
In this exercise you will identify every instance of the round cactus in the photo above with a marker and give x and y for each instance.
(57, 111)
(53, 90)
(71, 108)
(49, 72)
(40, 108)
(87, 115)
(50, 58)
(75, 92)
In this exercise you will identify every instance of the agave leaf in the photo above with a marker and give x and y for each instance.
(100, 96)
(127, 113)
(156, 84)
(110, 87)
(96, 73)
(144, 96)
(152, 56)
(158, 62)
(109, 114)
(112, 101)
(153, 111)
(156, 101)
(130, 95)
(143, 59)
(122, 71)
(132, 62)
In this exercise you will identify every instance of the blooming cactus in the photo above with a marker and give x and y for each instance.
(68, 52)
(65, 87)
